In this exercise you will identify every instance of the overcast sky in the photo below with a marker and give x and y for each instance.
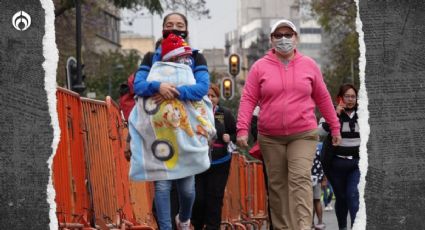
(203, 33)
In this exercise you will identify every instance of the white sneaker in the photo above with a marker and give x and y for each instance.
(329, 208)
(320, 226)
(182, 225)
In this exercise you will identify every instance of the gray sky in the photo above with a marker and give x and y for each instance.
(203, 33)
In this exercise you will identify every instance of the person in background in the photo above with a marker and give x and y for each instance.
(317, 179)
(210, 184)
(327, 189)
(327, 194)
(287, 86)
(173, 23)
(344, 173)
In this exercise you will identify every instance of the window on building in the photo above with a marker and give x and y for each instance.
(110, 29)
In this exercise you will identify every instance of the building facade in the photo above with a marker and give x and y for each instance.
(139, 43)
(254, 19)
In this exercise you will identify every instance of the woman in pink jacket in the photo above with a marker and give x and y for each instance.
(287, 86)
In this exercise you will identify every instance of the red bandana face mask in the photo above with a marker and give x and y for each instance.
(182, 34)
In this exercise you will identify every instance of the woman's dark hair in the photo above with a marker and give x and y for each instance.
(344, 89)
(158, 43)
(175, 13)
(216, 89)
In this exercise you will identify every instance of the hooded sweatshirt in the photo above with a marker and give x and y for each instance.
(287, 96)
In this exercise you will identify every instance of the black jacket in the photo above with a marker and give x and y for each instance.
(224, 123)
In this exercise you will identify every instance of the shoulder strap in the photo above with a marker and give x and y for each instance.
(147, 59)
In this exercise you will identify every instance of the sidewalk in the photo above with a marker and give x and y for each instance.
(329, 218)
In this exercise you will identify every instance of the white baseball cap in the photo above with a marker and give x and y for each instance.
(282, 23)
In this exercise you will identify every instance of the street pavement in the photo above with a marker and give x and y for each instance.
(329, 218)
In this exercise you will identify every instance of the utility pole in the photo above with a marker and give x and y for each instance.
(352, 71)
(79, 86)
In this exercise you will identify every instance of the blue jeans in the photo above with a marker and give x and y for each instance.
(186, 192)
(344, 177)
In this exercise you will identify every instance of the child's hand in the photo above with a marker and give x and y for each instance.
(158, 98)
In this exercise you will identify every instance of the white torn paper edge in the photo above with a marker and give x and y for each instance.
(361, 217)
(51, 56)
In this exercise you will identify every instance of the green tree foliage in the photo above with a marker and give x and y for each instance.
(194, 7)
(116, 66)
(337, 18)
(99, 66)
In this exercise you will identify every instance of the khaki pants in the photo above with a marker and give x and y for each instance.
(288, 161)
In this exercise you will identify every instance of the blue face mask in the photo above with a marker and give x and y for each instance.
(283, 45)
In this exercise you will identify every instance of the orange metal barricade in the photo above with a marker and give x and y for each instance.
(232, 199)
(256, 195)
(260, 205)
(100, 159)
(142, 194)
(69, 172)
(244, 204)
(118, 141)
(90, 172)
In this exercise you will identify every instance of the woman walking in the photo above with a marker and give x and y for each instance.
(343, 172)
(287, 86)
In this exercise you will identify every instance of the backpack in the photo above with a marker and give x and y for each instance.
(126, 100)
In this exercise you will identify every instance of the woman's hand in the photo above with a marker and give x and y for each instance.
(226, 138)
(242, 141)
(339, 109)
(168, 91)
(336, 140)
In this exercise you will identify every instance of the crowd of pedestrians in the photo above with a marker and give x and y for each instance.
(179, 134)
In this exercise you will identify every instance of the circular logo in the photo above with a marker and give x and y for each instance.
(21, 20)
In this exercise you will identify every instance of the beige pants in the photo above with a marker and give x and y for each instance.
(288, 161)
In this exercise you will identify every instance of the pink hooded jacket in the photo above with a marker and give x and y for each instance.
(287, 96)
